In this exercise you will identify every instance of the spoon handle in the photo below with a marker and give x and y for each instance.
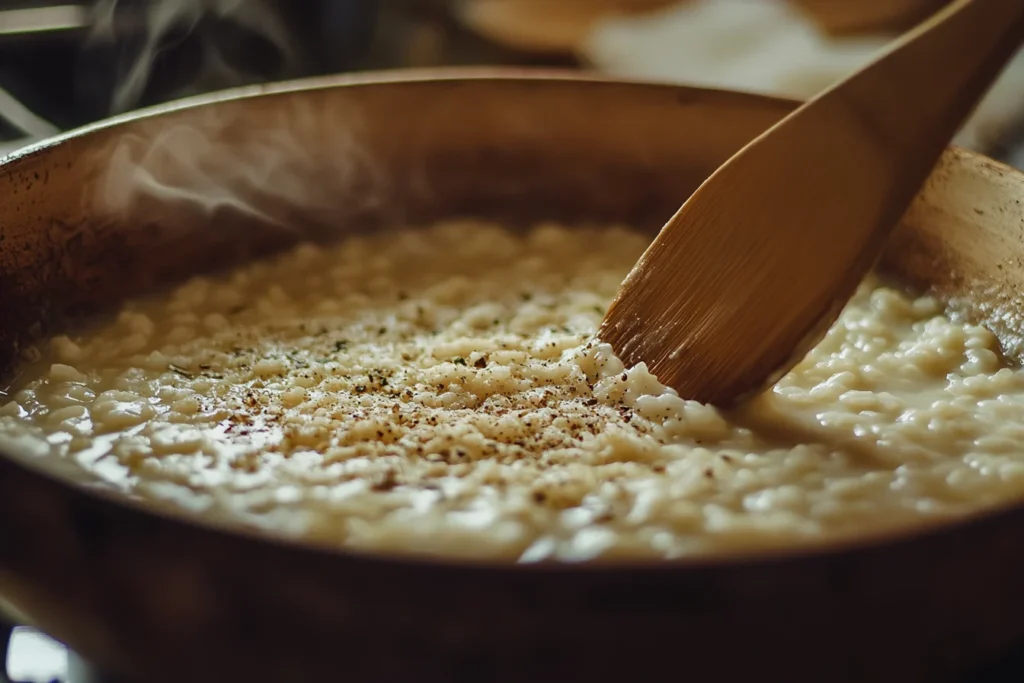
(758, 263)
(946, 72)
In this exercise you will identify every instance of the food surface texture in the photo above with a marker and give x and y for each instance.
(439, 390)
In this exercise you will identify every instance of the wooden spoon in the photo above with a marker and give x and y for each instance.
(756, 266)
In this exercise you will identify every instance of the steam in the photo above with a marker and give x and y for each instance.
(160, 21)
(291, 162)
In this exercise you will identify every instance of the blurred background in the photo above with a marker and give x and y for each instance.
(65, 64)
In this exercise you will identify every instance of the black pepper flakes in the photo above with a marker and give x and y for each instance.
(181, 371)
(386, 482)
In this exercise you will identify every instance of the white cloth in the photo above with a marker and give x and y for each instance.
(768, 47)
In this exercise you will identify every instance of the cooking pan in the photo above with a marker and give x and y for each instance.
(125, 206)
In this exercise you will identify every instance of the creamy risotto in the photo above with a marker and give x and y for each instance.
(440, 391)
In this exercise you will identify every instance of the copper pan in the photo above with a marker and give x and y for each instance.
(165, 596)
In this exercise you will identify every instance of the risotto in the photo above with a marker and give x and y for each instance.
(440, 391)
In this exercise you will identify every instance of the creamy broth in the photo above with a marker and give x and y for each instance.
(440, 391)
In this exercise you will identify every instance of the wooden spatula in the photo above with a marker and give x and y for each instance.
(756, 266)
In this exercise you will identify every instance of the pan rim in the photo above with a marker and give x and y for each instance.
(901, 539)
